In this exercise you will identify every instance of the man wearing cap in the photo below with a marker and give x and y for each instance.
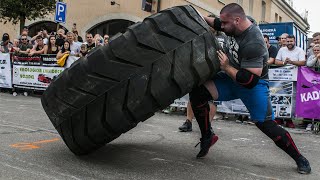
(5, 45)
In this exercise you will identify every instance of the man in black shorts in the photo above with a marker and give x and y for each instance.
(244, 75)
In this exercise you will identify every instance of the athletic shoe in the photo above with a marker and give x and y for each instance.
(303, 165)
(289, 124)
(205, 145)
(309, 127)
(14, 94)
(186, 126)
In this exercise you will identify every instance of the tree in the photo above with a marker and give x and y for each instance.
(19, 10)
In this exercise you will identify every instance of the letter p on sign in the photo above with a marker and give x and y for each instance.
(61, 11)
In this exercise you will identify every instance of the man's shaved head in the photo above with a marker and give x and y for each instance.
(233, 9)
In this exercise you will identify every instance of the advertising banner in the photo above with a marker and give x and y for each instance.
(308, 93)
(281, 98)
(284, 73)
(35, 72)
(5, 71)
(181, 102)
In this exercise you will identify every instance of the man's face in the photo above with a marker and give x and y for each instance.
(24, 39)
(283, 40)
(70, 37)
(316, 39)
(228, 24)
(89, 38)
(40, 42)
(290, 43)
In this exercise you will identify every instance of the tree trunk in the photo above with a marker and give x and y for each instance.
(22, 23)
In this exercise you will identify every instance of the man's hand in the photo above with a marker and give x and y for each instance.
(318, 56)
(224, 61)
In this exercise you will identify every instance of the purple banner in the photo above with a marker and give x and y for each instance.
(308, 93)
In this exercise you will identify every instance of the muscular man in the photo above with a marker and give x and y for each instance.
(244, 76)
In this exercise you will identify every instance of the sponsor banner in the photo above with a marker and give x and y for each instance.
(232, 107)
(5, 71)
(47, 60)
(34, 76)
(181, 102)
(284, 73)
(308, 93)
(281, 93)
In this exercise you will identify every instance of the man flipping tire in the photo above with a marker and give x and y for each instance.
(243, 76)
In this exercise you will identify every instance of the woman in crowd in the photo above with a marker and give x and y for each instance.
(5, 44)
(52, 48)
(106, 39)
(314, 60)
(39, 47)
(98, 40)
(64, 50)
(83, 50)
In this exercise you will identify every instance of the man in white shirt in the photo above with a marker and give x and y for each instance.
(74, 47)
(291, 54)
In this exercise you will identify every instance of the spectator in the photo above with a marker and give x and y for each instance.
(90, 42)
(271, 49)
(25, 32)
(39, 47)
(24, 46)
(83, 50)
(65, 49)
(310, 50)
(74, 47)
(283, 40)
(314, 60)
(105, 39)
(60, 38)
(316, 38)
(77, 38)
(290, 55)
(45, 36)
(5, 44)
(98, 40)
(51, 48)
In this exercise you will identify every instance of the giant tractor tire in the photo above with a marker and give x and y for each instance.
(140, 72)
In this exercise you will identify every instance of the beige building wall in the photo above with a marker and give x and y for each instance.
(88, 14)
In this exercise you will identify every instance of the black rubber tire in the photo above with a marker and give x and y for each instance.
(140, 72)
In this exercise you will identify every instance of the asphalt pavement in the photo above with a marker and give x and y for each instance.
(32, 149)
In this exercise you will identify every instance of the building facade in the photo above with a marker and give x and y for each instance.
(110, 17)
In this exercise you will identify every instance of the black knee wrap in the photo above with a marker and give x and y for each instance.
(280, 136)
(200, 96)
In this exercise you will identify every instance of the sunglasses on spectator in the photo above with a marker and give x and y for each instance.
(23, 39)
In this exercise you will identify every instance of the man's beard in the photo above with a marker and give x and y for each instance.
(290, 46)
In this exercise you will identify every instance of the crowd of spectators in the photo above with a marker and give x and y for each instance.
(58, 43)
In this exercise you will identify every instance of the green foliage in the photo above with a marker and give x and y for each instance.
(19, 10)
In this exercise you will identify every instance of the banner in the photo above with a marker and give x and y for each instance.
(35, 72)
(181, 102)
(308, 93)
(232, 107)
(5, 71)
(281, 98)
(284, 73)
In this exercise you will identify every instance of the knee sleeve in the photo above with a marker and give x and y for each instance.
(200, 96)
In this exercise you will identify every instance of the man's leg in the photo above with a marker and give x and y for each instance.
(258, 102)
(187, 125)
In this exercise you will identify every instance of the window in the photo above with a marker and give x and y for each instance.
(263, 12)
(280, 19)
(276, 17)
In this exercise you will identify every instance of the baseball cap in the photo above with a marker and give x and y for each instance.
(5, 37)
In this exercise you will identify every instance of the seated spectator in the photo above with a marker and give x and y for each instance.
(90, 42)
(60, 38)
(5, 44)
(83, 50)
(314, 60)
(38, 48)
(105, 39)
(24, 47)
(64, 50)
(51, 48)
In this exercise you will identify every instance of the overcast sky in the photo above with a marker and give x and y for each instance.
(313, 6)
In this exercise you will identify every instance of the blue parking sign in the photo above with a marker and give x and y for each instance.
(61, 11)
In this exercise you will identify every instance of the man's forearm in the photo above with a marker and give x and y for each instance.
(298, 63)
(209, 20)
(232, 72)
